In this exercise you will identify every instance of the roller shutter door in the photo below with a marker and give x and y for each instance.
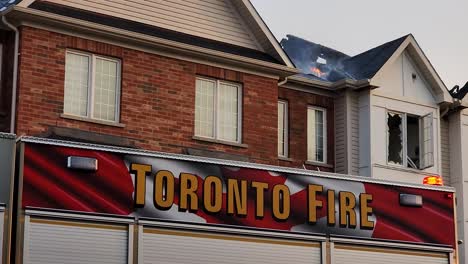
(367, 255)
(58, 242)
(177, 247)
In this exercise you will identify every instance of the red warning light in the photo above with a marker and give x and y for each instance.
(433, 180)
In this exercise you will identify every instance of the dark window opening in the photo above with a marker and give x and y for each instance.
(413, 148)
(395, 138)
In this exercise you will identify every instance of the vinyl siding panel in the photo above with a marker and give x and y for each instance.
(56, 243)
(212, 19)
(371, 255)
(445, 150)
(173, 247)
(354, 129)
(341, 163)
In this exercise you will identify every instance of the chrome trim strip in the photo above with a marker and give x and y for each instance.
(2, 207)
(7, 135)
(231, 230)
(62, 214)
(154, 154)
(413, 246)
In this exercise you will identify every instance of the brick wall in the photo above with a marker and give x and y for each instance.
(157, 102)
(298, 104)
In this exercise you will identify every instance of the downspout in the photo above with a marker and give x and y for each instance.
(281, 83)
(15, 74)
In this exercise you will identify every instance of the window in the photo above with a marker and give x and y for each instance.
(316, 135)
(283, 129)
(218, 110)
(92, 86)
(410, 140)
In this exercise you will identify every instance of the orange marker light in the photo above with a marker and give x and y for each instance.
(433, 180)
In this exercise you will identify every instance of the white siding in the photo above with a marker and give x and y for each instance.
(174, 247)
(396, 80)
(341, 149)
(50, 242)
(445, 150)
(354, 130)
(212, 19)
(371, 255)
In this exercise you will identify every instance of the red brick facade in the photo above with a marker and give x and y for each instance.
(298, 103)
(157, 100)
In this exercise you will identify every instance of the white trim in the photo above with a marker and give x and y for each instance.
(332, 252)
(216, 120)
(80, 216)
(325, 136)
(390, 244)
(266, 31)
(285, 105)
(26, 3)
(92, 87)
(131, 229)
(140, 244)
(27, 225)
(232, 163)
(2, 207)
(404, 125)
(410, 41)
(323, 246)
(230, 230)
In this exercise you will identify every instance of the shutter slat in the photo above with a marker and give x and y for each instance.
(371, 256)
(52, 243)
(175, 249)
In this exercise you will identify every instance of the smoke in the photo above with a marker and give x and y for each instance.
(315, 59)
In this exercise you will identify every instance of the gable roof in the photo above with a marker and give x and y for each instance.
(232, 26)
(368, 63)
(366, 66)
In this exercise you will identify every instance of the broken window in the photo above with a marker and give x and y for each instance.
(395, 138)
(410, 140)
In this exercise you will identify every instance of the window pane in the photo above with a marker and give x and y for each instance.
(105, 89)
(228, 106)
(76, 84)
(204, 108)
(282, 129)
(395, 138)
(316, 135)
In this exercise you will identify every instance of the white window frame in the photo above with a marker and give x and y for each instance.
(91, 86)
(285, 128)
(325, 136)
(216, 110)
(405, 140)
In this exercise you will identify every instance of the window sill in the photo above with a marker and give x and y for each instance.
(285, 159)
(318, 164)
(239, 145)
(399, 168)
(90, 120)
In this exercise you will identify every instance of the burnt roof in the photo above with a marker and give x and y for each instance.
(4, 4)
(153, 31)
(338, 66)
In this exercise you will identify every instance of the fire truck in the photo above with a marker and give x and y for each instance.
(73, 202)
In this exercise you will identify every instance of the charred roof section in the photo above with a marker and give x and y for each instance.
(320, 62)
(314, 60)
(4, 4)
(459, 93)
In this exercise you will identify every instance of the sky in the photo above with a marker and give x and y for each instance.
(354, 26)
